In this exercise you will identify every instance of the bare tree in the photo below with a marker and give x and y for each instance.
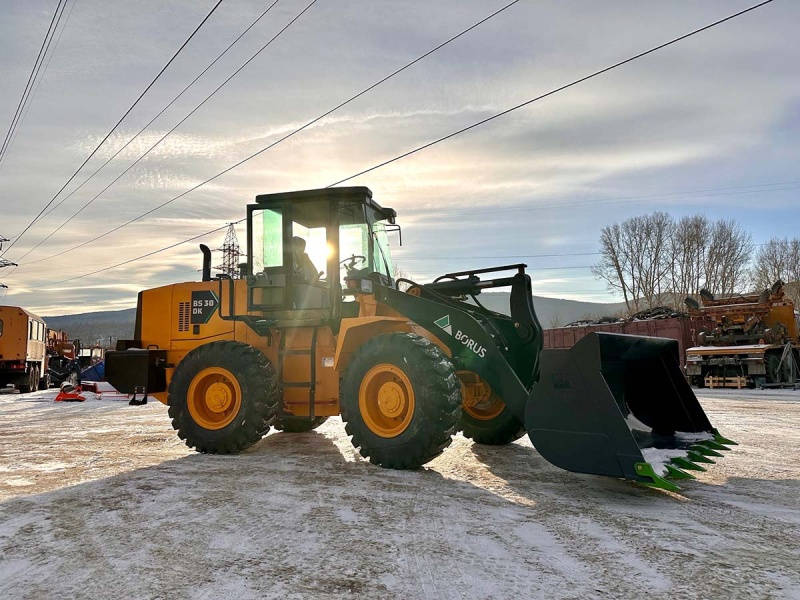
(688, 247)
(653, 260)
(615, 264)
(727, 257)
(778, 259)
(635, 258)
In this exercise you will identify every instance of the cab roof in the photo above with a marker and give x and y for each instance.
(341, 193)
(357, 193)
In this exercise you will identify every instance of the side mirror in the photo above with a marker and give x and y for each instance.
(395, 228)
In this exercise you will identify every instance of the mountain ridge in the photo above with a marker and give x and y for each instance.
(105, 327)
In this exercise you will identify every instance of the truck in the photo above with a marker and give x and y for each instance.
(752, 340)
(319, 326)
(23, 349)
(64, 364)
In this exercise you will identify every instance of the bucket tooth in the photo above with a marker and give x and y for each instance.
(723, 440)
(685, 463)
(677, 473)
(714, 445)
(705, 451)
(698, 458)
(657, 481)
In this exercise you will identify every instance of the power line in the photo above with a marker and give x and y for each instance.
(196, 108)
(400, 257)
(31, 78)
(191, 239)
(550, 93)
(576, 82)
(31, 97)
(163, 110)
(127, 112)
(273, 144)
(207, 98)
(629, 199)
(3, 262)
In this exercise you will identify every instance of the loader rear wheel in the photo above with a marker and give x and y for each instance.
(223, 397)
(294, 424)
(490, 422)
(400, 400)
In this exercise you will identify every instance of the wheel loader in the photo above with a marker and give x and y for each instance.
(317, 326)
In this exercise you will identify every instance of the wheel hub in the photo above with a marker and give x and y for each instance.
(214, 398)
(391, 399)
(478, 401)
(218, 397)
(386, 400)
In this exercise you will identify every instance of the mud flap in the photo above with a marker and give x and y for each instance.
(618, 405)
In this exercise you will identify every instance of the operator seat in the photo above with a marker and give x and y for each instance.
(308, 290)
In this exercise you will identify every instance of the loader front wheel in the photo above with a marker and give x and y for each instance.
(491, 423)
(400, 400)
(223, 397)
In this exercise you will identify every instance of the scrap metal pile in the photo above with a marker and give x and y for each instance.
(753, 340)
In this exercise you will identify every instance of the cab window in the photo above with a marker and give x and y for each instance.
(267, 239)
(382, 257)
(314, 243)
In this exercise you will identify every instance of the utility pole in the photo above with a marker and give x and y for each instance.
(3, 262)
(230, 254)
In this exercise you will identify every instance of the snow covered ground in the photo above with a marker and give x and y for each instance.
(101, 500)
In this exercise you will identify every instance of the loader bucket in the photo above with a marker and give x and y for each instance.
(618, 405)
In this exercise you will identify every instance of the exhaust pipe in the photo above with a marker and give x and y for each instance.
(206, 262)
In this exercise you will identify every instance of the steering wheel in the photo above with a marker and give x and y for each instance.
(351, 262)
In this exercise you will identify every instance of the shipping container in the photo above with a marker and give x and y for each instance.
(682, 329)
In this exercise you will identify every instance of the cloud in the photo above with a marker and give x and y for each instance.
(715, 111)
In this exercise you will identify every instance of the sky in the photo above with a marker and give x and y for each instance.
(709, 125)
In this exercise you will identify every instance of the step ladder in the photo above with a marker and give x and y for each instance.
(311, 386)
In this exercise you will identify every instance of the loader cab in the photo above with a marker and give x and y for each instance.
(305, 249)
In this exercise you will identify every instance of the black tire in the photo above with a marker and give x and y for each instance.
(44, 382)
(258, 405)
(429, 427)
(292, 424)
(31, 381)
(499, 431)
(776, 374)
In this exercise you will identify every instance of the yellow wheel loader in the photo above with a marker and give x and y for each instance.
(317, 326)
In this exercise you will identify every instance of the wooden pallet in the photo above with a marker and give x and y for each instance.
(716, 381)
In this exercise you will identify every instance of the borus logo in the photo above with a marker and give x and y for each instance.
(444, 323)
(470, 343)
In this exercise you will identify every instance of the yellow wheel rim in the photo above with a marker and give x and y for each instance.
(214, 398)
(485, 410)
(386, 400)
